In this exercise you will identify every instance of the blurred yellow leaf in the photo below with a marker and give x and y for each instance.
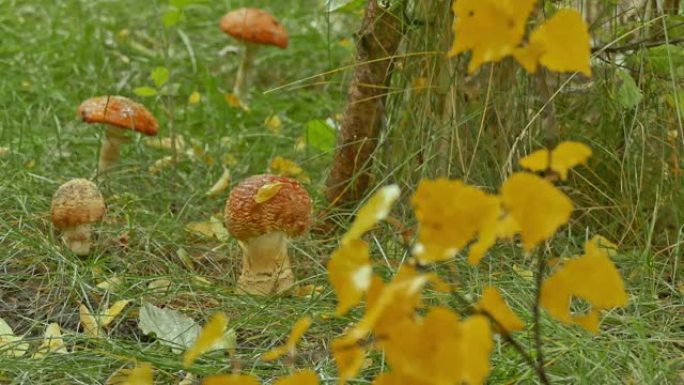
(476, 348)
(209, 336)
(491, 29)
(11, 345)
(374, 210)
(303, 377)
(450, 215)
(161, 164)
(349, 273)
(52, 342)
(592, 277)
(89, 322)
(165, 143)
(112, 312)
(194, 98)
(286, 167)
(273, 124)
(221, 184)
(141, 375)
(267, 191)
(538, 207)
(213, 228)
(231, 379)
(348, 358)
(536, 161)
(493, 303)
(234, 101)
(110, 283)
(565, 156)
(298, 330)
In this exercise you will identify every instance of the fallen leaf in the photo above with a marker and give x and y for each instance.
(161, 164)
(165, 143)
(52, 342)
(112, 312)
(267, 191)
(89, 323)
(213, 228)
(298, 330)
(141, 375)
(171, 327)
(11, 345)
(221, 184)
(208, 337)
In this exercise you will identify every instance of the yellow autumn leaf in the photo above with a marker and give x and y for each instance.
(113, 311)
(213, 228)
(165, 143)
(592, 277)
(267, 191)
(561, 44)
(303, 377)
(348, 358)
(233, 100)
(141, 375)
(286, 167)
(52, 342)
(538, 207)
(349, 273)
(567, 155)
(373, 211)
(536, 161)
(493, 303)
(273, 124)
(11, 345)
(231, 379)
(221, 184)
(491, 29)
(89, 322)
(194, 98)
(298, 330)
(476, 347)
(450, 215)
(398, 378)
(210, 334)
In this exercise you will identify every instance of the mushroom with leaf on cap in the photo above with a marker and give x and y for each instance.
(120, 114)
(254, 27)
(76, 205)
(263, 212)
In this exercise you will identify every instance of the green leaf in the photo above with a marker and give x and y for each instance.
(659, 58)
(180, 4)
(320, 135)
(159, 76)
(344, 6)
(171, 17)
(144, 91)
(628, 93)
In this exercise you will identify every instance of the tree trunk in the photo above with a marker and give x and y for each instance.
(377, 41)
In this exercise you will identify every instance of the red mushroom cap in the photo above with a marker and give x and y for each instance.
(289, 210)
(118, 111)
(255, 26)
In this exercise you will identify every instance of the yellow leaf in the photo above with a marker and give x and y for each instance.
(213, 228)
(194, 98)
(52, 342)
(450, 215)
(348, 358)
(221, 184)
(110, 283)
(10, 344)
(592, 277)
(298, 330)
(141, 375)
(304, 377)
(161, 164)
(231, 379)
(165, 143)
(561, 44)
(112, 312)
(267, 191)
(273, 124)
(210, 334)
(538, 207)
(89, 323)
(491, 29)
(398, 378)
(476, 348)
(374, 210)
(536, 161)
(285, 167)
(568, 155)
(493, 303)
(349, 272)
(234, 101)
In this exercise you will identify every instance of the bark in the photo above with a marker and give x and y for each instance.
(377, 42)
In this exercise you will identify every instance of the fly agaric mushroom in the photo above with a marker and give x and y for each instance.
(254, 27)
(263, 212)
(76, 205)
(120, 114)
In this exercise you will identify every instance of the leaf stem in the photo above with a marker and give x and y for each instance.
(536, 313)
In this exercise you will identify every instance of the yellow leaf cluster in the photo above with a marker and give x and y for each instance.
(591, 277)
(298, 330)
(565, 156)
(494, 29)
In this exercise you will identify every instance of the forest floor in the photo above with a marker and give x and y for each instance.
(55, 54)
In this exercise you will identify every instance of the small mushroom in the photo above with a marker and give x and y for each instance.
(254, 27)
(120, 114)
(76, 205)
(263, 226)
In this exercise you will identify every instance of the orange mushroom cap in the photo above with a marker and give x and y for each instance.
(289, 210)
(255, 26)
(118, 111)
(77, 202)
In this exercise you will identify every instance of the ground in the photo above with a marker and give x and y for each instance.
(53, 55)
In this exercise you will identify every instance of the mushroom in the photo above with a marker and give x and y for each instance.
(120, 114)
(76, 205)
(263, 226)
(254, 27)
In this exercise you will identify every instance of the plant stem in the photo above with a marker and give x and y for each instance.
(244, 70)
(536, 313)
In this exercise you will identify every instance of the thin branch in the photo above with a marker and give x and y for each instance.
(536, 313)
(646, 43)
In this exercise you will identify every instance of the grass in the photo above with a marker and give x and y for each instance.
(53, 55)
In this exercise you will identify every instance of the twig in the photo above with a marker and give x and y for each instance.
(541, 371)
(646, 43)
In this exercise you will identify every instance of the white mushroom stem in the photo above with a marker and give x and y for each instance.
(244, 70)
(77, 238)
(111, 147)
(266, 266)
